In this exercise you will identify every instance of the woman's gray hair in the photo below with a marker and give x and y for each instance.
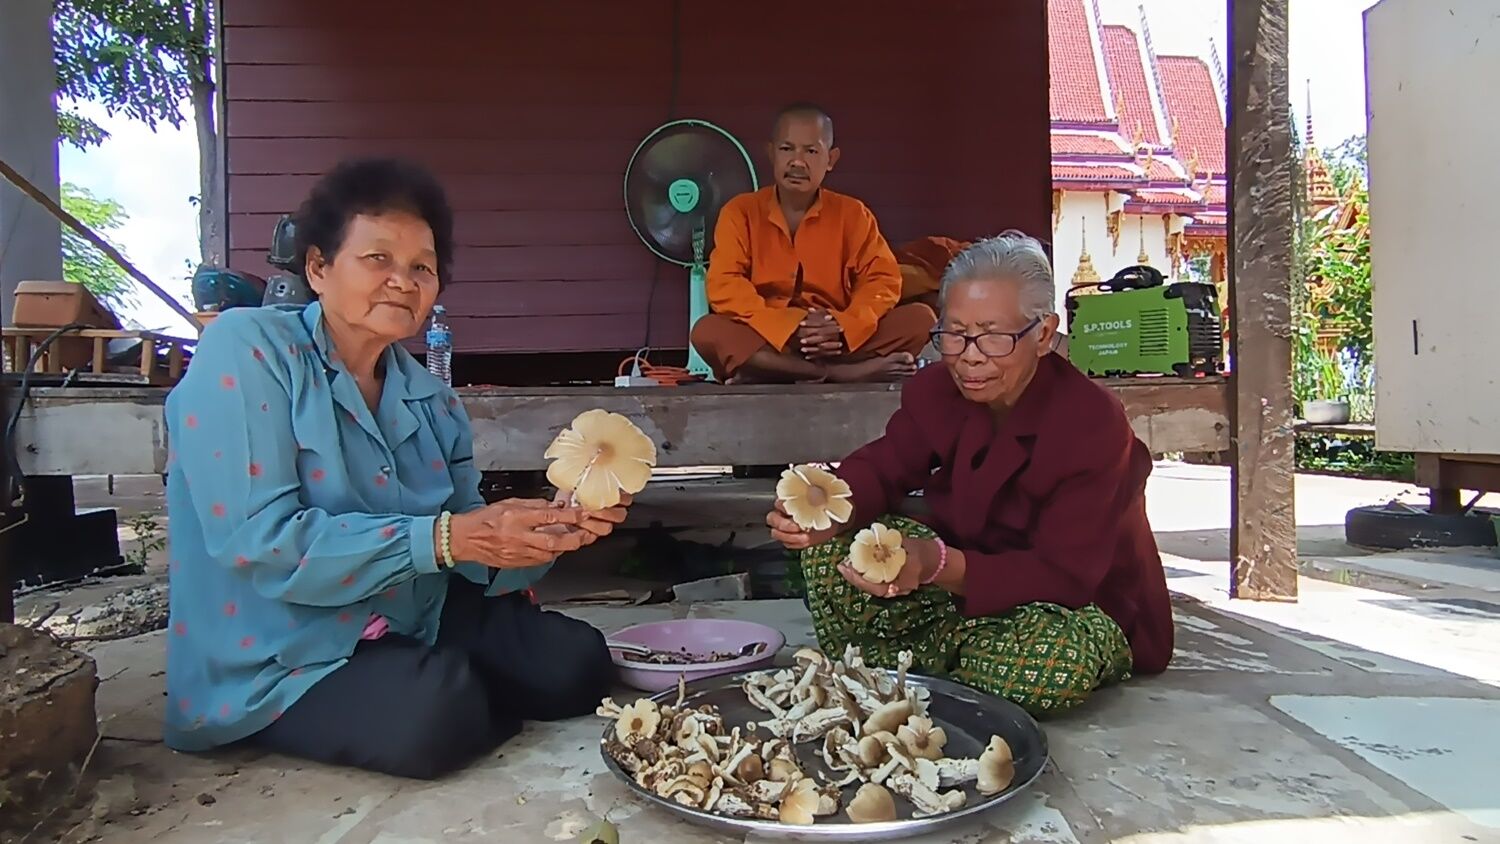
(1010, 255)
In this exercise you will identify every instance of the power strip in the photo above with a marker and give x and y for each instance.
(635, 381)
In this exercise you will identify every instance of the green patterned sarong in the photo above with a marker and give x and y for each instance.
(1044, 657)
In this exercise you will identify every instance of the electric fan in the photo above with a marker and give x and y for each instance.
(676, 182)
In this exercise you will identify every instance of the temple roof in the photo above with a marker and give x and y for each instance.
(1126, 119)
(1088, 143)
(1127, 81)
(1077, 90)
(1195, 106)
(1101, 174)
(1167, 198)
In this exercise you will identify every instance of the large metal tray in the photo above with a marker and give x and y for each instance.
(969, 718)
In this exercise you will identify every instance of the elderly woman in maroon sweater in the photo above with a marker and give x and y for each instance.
(1034, 575)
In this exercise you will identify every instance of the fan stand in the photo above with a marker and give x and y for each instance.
(697, 302)
(686, 197)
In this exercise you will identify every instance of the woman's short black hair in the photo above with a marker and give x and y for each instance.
(373, 186)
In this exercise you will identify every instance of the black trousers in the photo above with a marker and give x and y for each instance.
(401, 707)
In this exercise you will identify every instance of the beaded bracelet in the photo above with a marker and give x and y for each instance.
(942, 560)
(446, 537)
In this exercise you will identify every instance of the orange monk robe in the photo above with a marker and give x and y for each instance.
(846, 266)
(923, 262)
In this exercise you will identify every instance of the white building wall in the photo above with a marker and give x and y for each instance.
(1432, 224)
(1087, 212)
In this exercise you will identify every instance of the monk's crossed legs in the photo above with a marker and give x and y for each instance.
(735, 350)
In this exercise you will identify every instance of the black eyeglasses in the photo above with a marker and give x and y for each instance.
(991, 344)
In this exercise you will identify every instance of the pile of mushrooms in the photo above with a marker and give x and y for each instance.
(869, 728)
(686, 754)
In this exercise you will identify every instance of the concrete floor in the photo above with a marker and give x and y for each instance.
(1365, 712)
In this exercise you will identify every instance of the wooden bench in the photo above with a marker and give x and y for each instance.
(121, 430)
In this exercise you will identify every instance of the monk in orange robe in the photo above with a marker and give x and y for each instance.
(801, 284)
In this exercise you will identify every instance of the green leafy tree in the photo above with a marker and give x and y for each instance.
(1340, 260)
(1347, 163)
(82, 262)
(149, 60)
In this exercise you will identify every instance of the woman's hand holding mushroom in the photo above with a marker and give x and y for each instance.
(792, 536)
(885, 564)
(519, 533)
(597, 523)
(812, 505)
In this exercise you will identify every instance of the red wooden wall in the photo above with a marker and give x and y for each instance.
(530, 112)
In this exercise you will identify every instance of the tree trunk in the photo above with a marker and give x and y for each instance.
(212, 239)
(210, 182)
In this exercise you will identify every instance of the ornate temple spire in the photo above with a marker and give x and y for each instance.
(1143, 257)
(1154, 69)
(1218, 66)
(1320, 192)
(1085, 274)
(1308, 138)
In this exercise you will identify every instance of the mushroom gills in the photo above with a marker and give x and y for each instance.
(922, 738)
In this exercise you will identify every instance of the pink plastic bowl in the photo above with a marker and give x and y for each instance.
(695, 635)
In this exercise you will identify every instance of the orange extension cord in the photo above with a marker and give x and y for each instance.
(667, 376)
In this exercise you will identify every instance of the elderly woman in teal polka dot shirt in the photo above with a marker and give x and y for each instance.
(339, 589)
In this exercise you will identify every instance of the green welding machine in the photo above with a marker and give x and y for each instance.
(1136, 324)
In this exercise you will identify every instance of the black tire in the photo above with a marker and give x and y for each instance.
(1397, 528)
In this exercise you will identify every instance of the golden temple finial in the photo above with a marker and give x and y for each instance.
(1320, 191)
(1143, 258)
(1085, 274)
(1308, 141)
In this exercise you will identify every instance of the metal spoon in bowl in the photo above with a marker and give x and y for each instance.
(629, 647)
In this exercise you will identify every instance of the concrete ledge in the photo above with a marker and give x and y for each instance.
(78, 431)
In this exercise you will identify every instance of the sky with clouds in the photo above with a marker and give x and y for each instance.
(154, 176)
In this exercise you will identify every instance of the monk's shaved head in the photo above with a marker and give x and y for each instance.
(804, 111)
(801, 149)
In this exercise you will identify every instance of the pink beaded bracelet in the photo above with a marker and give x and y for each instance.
(942, 560)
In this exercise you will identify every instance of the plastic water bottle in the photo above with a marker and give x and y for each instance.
(440, 346)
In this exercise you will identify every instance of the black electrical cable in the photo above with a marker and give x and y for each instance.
(671, 115)
(15, 492)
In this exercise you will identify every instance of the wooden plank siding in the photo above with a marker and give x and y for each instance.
(529, 112)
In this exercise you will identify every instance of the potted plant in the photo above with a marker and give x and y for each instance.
(1330, 402)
